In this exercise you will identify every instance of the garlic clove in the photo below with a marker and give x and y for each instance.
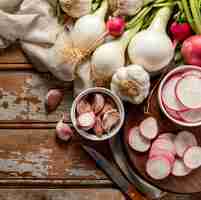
(110, 120)
(53, 99)
(63, 130)
(98, 103)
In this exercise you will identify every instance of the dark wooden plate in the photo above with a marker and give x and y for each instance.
(184, 185)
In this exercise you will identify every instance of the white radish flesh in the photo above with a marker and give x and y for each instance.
(149, 128)
(188, 91)
(170, 136)
(168, 95)
(86, 121)
(180, 169)
(183, 141)
(192, 157)
(191, 116)
(137, 142)
(158, 168)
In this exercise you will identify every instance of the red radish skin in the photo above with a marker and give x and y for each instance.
(115, 26)
(192, 73)
(158, 168)
(188, 91)
(172, 113)
(86, 121)
(183, 141)
(137, 142)
(191, 50)
(192, 157)
(180, 169)
(169, 98)
(149, 128)
(191, 116)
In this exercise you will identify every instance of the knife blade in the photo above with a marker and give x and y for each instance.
(117, 149)
(114, 174)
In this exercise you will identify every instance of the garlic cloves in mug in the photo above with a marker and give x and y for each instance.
(53, 99)
(76, 8)
(63, 130)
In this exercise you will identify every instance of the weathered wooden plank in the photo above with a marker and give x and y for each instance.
(15, 66)
(56, 194)
(22, 96)
(37, 154)
(13, 54)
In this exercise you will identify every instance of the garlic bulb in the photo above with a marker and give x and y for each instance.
(76, 8)
(131, 84)
(125, 7)
(109, 57)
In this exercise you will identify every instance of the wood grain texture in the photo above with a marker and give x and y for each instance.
(22, 96)
(36, 155)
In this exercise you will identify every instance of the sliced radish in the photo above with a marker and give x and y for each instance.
(137, 141)
(86, 121)
(149, 128)
(173, 113)
(192, 72)
(188, 91)
(192, 157)
(158, 167)
(183, 141)
(168, 95)
(170, 136)
(180, 169)
(191, 116)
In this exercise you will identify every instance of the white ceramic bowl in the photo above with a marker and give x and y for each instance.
(176, 70)
(116, 100)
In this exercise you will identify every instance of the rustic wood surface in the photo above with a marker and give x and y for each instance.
(30, 155)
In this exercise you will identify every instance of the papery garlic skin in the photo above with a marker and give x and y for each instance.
(90, 28)
(125, 7)
(76, 8)
(135, 93)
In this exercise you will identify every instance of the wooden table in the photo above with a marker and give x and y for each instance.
(30, 155)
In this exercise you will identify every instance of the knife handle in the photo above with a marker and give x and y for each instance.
(133, 194)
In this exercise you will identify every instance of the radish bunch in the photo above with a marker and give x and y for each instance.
(168, 153)
(181, 96)
(97, 114)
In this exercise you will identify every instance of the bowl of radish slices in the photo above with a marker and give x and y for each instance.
(97, 114)
(179, 95)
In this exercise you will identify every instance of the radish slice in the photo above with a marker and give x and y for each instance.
(158, 168)
(169, 97)
(192, 157)
(137, 141)
(86, 121)
(191, 116)
(170, 136)
(149, 128)
(192, 73)
(183, 141)
(173, 113)
(180, 169)
(188, 91)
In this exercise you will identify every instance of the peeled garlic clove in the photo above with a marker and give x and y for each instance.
(53, 99)
(110, 120)
(83, 107)
(76, 8)
(63, 130)
(98, 103)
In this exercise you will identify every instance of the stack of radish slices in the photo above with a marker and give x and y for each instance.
(168, 153)
(181, 96)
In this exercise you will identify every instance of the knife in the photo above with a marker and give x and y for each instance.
(119, 156)
(114, 174)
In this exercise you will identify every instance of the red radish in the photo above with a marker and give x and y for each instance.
(180, 169)
(191, 50)
(86, 121)
(115, 26)
(83, 107)
(169, 136)
(173, 113)
(137, 142)
(183, 141)
(188, 91)
(192, 72)
(158, 168)
(192, 157)
(149, 128)
(168, 94)
(98, 103)
(191, 116)
(180, 31)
